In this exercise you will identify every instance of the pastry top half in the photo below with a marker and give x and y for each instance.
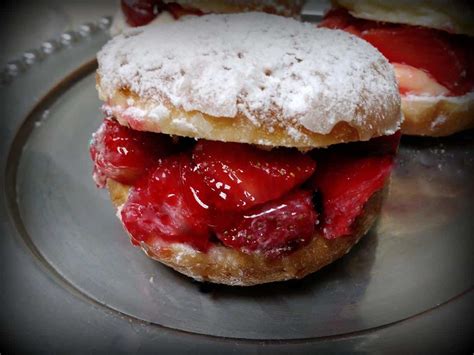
(249, 78)
(451, 16)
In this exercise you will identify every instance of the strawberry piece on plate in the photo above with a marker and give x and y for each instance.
(275, 228)
(240, 176)
(161, 207)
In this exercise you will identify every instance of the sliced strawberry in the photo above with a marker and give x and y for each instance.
(178, 11)
(123, 154)
(338, 19)
(161, 207)
(345, 183)
(240, 176)
(275, 228)
(141, 12)
(422, 48)
(443, 55)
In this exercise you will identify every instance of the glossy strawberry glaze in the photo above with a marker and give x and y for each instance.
(252, 200)
(141, 12)
(274, 228)
(262, 175)
(164, 205)
(447, 58)
(123, 154)
(346, 187)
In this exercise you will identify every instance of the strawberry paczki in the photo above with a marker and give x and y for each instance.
(431, 49)
(253, 200)
(427, 61)
(281, 141)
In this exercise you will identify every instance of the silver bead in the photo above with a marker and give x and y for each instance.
(14, 67)
(105, 22)
(32, 56)
(50, 46)
(87, 29)
(68, 37)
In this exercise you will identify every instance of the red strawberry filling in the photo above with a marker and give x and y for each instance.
(238, 195)
(346, 186)
(141, 12)
(123, 154)
(274, 228)
(241, 176)
(178, 11)
(162, 204)
(447, 58)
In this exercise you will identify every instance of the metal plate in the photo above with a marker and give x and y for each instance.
(417, 260)
(73, 226)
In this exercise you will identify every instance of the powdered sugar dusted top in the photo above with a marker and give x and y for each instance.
(273, 70)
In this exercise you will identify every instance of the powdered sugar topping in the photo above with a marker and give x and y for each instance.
(270, 69)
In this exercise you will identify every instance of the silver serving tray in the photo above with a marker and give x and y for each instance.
(72, 281)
